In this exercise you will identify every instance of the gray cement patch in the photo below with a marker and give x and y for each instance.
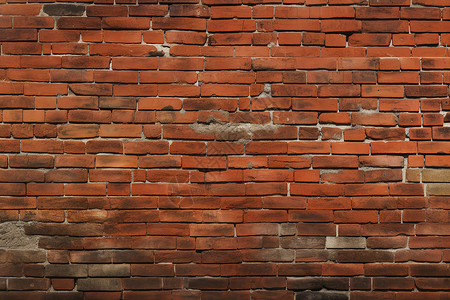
(12, 236)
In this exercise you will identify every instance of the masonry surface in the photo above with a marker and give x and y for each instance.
(225, 149)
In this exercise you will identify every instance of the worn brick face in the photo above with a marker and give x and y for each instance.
(224, 149)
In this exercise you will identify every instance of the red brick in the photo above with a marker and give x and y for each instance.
(211, 230)
(385, 269)
(125, 23)
(393, 147)
(386, 242)
(20, 9)
(189, 10)
(248, 155)
(78, 23)
(63, 283)
(387, 229)
(340, 26)
(180, 23)
(295, 118)
(342, 270)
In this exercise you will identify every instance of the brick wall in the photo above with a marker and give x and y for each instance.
(225, 149)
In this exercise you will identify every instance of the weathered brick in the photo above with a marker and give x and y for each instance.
(64, 9)
(99, 284)
(321, 295)
(435, 175)
(345, 242)
(109, 270)
(438, 189)
(66, 270)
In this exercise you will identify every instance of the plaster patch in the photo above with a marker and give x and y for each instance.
(12, 236)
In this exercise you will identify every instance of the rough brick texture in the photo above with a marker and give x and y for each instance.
(225, 149)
